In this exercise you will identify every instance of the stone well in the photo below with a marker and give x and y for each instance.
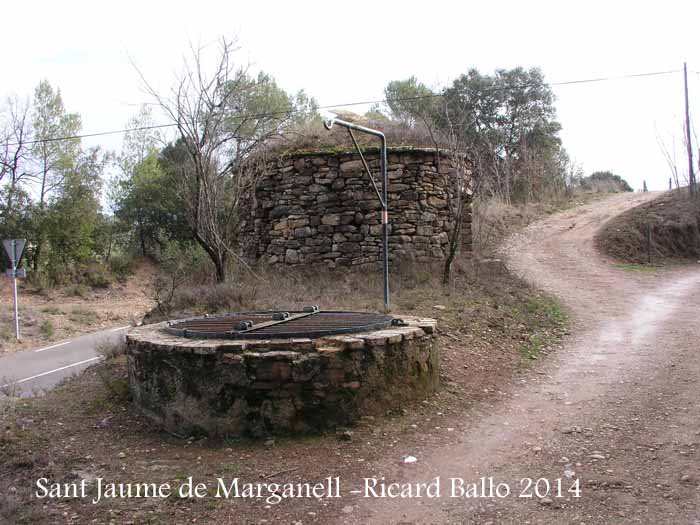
(229, 387)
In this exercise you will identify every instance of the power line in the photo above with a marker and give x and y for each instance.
(350, 104)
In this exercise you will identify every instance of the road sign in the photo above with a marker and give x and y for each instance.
(14, 249)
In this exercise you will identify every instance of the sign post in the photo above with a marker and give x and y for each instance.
(14, 249)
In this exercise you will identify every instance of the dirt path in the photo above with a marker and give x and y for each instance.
(617, 408)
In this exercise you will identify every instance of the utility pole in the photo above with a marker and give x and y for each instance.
(691, 172)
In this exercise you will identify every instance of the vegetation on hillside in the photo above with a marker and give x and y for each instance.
(665, 228)
(605, 182)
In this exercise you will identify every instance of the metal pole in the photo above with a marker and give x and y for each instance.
(383, 198)
(14, 286)
(385, 221)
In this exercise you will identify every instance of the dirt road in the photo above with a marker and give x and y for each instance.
(617, 408)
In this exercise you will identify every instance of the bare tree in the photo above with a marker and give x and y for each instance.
(670, 157)
(221, 118)
(459, 184)
(14, 135)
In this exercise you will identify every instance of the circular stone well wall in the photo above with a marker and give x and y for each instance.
(222, 387)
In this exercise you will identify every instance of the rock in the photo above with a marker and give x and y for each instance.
(546, 501)
(270, 443)
(410, 459)
(291, 256)
(331, 220)
(121, 455)
(597, 456)
(440, 307)
(347, 509)
(685, 478)
(537, 449)
(345, 435)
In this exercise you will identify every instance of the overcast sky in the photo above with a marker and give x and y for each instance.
(345, 52)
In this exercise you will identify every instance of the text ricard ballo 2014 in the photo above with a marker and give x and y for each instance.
(98, 489)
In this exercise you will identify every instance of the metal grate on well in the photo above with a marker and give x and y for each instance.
(308, 323)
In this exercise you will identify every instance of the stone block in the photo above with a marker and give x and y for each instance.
(331, 220)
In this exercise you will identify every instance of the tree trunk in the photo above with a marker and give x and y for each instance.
(217, 257)
(220, 265)
(142, 238)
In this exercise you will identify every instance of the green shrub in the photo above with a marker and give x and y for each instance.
(98, 276)
(121, 265)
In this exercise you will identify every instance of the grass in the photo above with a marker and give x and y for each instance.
(52, 310)
(6, 333)
(110, 349)
(546, 320)
(82, 316)
(633, 267)
(47, 329)
(77, 290)
(533, 348)
(666, 227)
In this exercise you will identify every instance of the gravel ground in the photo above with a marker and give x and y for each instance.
(614, 413)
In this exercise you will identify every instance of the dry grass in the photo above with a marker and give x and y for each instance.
(314, 137)
(293, 288)
(674, 219)
(88, 428)
(49, 315)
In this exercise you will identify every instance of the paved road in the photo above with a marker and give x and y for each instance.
(32, 372)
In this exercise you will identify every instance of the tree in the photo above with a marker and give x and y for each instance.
(139, 191)
(146, 206)
(54, 159)
(409, 100)
(221, 119)
(74, 216)
(15, 134)
(506, 120)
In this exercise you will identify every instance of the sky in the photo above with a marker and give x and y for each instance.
(347, 52)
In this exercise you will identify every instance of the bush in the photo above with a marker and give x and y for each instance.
(46, 328)
(110, 349)
(605, 182)
(121, 265)
(77, 290)
(97, 276)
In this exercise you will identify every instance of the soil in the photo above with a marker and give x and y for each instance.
(672, 222)
(614, 407)
(87, 428)
(57, 314)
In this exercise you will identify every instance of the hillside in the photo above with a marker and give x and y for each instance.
(674, 219)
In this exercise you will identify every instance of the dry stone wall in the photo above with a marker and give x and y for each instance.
(256, 388)
(320, 207)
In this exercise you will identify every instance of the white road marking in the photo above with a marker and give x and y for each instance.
(51, 371)
(52, 346)
(120, 328)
